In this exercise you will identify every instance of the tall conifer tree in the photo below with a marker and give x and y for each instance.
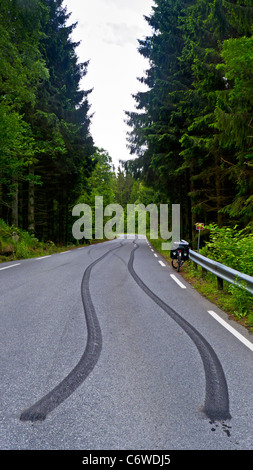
(177, 131)
(61, 125)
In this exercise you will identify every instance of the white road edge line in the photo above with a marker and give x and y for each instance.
(11, 266)
(43, 257)
(177, 281)
(161, 263)
(156, 255)
(62, 252)
(231, 329)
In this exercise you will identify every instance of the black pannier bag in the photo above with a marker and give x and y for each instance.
(182, 245)
(173, 253)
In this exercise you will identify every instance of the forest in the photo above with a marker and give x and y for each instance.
(192, 130)
(45, 143)
(190, 137)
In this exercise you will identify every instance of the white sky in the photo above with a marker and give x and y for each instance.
(109, 31)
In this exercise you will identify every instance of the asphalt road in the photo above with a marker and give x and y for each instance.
(107, 347)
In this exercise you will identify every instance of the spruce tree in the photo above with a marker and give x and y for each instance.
(194, 100)
(157, 126)
(61, 125)
(214, 178)
(21, 70)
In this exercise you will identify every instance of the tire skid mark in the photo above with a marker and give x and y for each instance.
(216, 398)
(40, 410)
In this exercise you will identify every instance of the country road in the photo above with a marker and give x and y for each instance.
(107, 347)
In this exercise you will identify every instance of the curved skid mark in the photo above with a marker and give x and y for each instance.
(216, 398)
(76, 377)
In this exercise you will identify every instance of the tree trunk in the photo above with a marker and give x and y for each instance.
(14, 204)
(219, 193)
(1, 201)
(31, 218)
(188, 205)
(193, 214)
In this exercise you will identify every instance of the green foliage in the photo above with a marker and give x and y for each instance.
(21, 69)
(192, 129)
(233, 248)
(16, 243)
(102, 180)
(16, 143)
(241, 302)
(230, 246)
(119, 188)
(45, 142)
(233, 119)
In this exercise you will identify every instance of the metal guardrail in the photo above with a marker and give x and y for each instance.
(223, 272)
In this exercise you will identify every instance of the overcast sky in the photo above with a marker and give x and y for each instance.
(109, 31)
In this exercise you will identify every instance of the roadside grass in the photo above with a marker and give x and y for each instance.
(236, 302)
(16, 244)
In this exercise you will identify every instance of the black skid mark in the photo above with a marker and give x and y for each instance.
(216, 398)
(40, 410)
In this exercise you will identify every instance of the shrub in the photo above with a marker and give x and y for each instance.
(230, 246)
(234, 248)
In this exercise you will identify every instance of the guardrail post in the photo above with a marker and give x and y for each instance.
(204, 271)
(219, 283)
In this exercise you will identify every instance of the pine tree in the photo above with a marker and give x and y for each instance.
(45, 141)
(61, 126)
(233, 121)
(213, 178)
(180, 129)
(21, 69)
(157, 129)
(203, 27)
